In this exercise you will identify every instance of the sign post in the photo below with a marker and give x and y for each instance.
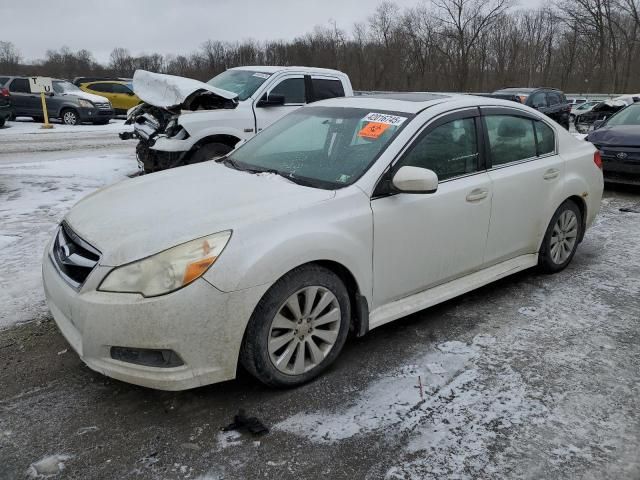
(43, 86)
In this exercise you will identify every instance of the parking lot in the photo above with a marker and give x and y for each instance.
(534, 376)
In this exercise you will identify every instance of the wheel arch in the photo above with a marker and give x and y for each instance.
(582, 206)
(230, 140)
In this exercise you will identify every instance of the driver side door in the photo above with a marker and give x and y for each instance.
(292, 87)
(423, 240)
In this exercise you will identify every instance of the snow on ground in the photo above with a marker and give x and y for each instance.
(25, 126)
(518, 402)
(36, 190)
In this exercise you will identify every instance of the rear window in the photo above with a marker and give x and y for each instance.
(324, 88)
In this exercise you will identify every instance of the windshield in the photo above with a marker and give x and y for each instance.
(60, 86)
(627, 116)
(241, 82)
(324, 147)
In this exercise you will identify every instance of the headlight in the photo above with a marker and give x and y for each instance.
(169, 270)
(85, 103)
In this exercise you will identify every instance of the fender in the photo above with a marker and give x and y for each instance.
(165, 144)
(321, 234)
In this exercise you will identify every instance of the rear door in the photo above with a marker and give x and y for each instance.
(556, 107)
(325, 87)
(24, 102)
(526, 176)
(292, 87)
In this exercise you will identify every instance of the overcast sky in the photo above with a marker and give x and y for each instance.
(166, 26)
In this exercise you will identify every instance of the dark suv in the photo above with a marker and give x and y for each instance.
(549, 101)
(67, 102)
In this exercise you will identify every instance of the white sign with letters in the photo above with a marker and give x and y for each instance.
(40, 84)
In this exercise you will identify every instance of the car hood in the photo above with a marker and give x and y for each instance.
(168, 91)
(88, 96)
(146, 215)
(621, 135)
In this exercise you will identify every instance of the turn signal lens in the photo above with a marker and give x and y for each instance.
(597, 159)
(196, 269)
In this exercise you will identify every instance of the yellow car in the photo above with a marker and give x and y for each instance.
(119, 93)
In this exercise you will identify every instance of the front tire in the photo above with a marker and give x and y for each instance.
(298, 328)
(209, 151)
(561, 238)
(70, 117)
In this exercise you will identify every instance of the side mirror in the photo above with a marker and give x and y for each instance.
(130, 93)
(272, 100)
(415, 180)
(50, 94)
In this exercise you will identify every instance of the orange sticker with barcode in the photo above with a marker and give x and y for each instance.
(373, 130)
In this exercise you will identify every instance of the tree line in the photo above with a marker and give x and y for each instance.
(440, 45)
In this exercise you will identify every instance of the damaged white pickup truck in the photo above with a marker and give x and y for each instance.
(184, 121)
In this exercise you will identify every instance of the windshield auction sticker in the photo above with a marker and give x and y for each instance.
(384, 118)
(373, 130)
(261, 75)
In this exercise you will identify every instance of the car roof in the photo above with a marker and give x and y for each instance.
(413, 102)
(525, 89)
(121, 82)
(275, 69)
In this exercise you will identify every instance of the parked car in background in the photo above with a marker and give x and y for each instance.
(186, 121)
(574, 102)
(6, 110)
(601, 111)
(549, 101)
(67, 103)
(580, 108)
(119, 93)
(618, 140)
(269, 257)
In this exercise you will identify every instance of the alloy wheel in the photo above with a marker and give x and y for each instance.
(70, 118)
(564, 237)
(304, 330)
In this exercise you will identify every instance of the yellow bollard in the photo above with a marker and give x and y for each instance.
(44, 111)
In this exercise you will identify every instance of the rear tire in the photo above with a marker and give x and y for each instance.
(209, 151)
(2, 121)
(561, 238)
(70, 117)
(298, 328)
(38, 119)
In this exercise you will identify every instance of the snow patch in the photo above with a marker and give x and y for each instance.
(47, 466)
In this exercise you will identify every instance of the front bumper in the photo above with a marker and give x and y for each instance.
(95, 114)
(621, 164)
(203, 325)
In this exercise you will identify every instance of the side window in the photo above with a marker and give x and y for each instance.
(20, 85)
(553, 99)
(324, 88)
(101, 87)
(539, 100)
(510, 138)
(292, 89)
(546, 138)
(450, 150)
(118, 88)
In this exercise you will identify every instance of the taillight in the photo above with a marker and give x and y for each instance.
(597, 159)
(4, 92)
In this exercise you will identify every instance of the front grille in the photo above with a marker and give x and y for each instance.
(103, 106)
(74, 257)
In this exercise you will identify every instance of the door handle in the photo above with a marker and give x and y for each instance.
(551, 174)
(477, 194)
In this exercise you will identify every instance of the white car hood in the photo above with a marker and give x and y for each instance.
(169, 90)
(88, 96)
(146, 215)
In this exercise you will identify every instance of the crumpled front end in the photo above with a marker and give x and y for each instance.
(166, 98)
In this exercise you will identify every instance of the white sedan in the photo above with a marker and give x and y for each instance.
(343, 216)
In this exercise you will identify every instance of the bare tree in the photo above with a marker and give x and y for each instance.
(465, 21)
